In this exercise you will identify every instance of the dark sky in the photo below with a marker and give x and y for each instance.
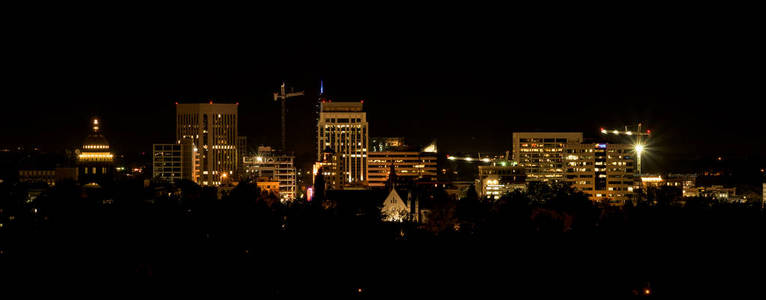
(468, 84)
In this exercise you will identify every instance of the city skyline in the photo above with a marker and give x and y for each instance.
(696, 100)
(421, 154)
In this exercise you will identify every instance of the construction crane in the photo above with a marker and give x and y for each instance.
(503, 160)
(638, 143)
(283, 95)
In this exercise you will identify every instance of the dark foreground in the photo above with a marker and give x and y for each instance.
(540, 266)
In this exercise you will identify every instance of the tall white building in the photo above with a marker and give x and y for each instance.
(343, 128)
(212, 127)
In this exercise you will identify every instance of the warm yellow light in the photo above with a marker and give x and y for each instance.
(639, 149)
(651, 179)
(95, 156)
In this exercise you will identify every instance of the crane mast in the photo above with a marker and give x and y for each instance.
(283, 95)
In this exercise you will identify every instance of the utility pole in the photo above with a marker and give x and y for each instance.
(283, 95)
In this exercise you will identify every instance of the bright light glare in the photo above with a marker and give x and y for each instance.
(639, 149)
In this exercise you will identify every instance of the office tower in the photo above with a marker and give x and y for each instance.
(176, 162)
(95, 159)
(603, 171)
(542, 153)
(212, 128)
(268, 165)
(409, 166)
(343, 129)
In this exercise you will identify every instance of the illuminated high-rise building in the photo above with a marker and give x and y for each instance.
(603, 171)
(95, 159)
(542, 153)
(212, 127)
(343, 128)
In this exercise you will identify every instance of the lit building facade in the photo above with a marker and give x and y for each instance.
(268, 165)
(176, 162)
(212, 128)
(497, 180)
(542, 154)
(382, 144)
(603, 171)
(38, 176)
(48, 176)
(95, 159)
(409, 166)
(271, 187)
(328, 167)
(343, 128)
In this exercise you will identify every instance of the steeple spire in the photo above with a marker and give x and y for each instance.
(392, 176)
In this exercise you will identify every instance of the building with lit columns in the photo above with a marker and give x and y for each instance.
(343, 129)
(212, 128)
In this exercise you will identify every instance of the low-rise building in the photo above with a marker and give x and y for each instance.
(410, 166)
(269, 165)
(497, 180)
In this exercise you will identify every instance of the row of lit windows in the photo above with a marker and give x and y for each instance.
(96, 147)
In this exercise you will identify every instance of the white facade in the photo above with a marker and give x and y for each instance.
(394, 208)
(343, 128)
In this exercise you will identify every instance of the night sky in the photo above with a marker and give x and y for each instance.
(697, 88)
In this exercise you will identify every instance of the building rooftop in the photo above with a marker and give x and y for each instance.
(342, 107)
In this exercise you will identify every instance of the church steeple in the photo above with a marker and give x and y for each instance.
(392, 177)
